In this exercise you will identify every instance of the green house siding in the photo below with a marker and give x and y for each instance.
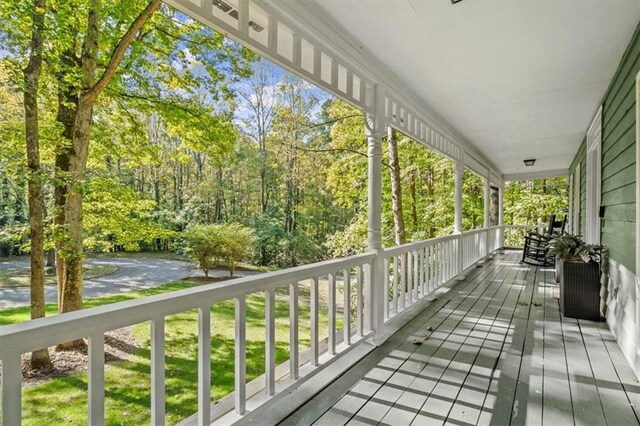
(618, 159)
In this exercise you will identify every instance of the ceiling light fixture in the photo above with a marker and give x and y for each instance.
(455, 1)
(530, 162)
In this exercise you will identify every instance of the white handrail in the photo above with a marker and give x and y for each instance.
(31, 335)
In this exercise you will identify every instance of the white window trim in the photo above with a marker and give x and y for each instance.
(575, 201)
(637, 364)
(594, 161)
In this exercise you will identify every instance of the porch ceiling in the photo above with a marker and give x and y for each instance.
(519, 79)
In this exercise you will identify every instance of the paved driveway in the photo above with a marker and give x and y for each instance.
(132, 274)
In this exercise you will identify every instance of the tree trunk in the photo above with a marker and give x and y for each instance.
(78, 149)
(396, 190)
(39, 358)
(414, 201)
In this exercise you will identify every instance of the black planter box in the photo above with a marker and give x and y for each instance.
(580, 290)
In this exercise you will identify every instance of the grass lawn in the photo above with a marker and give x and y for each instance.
(64, 400)
(19, 277)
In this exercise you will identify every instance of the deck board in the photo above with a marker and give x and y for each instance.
(495, 350)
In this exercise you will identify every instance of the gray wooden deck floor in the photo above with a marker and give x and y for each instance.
(493, 350)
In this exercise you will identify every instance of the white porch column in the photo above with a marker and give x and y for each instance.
(376, 295)
(501, 215)
(457, 221)
(487, 202)
(458, 175)
(487, 213)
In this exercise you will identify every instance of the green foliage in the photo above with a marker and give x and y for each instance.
(531, 202)
(472, 201)
(203, 245)
(206, 245)
(116, 217)
(571, 248)
(236, 242)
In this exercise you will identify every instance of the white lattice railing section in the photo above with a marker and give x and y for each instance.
(350, 275)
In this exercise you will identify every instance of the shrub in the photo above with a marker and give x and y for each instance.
(204, 245)
(207, 244)
(236, 242)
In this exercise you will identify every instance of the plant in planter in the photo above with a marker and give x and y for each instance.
(580, 265)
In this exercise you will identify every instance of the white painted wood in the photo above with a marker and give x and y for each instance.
(576, 200)
(387, 286)
(294, 359)
(402, 282)
(637, 280)
(359, 301)
(594, 170)
(368, 299)
(395, 284)
(96, 379)
(346, 307)
(416, 274)
(270, 335)
(243, 17)
(332, 313)
(157, 372)
(409, 276)
(204, 365)
(458, 180)
(375, 128)
(314, 322)
(543, 174)
(240, 355)
(11, 389)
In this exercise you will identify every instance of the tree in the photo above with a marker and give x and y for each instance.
(78, 97)
(204, 244)
(39, 358)
(236, 242)
(396, 186)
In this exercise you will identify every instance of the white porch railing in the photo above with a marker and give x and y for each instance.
(514, 234)
(410, 272)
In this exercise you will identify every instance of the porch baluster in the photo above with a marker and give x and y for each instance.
(270, 339)
(157, 372)
(11, 389)
(240, 355)
(204, 365)
(346, 289)
(96, 379)
(314, 322)
(293, 332)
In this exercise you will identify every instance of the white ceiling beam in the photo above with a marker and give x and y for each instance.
(542, 174)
